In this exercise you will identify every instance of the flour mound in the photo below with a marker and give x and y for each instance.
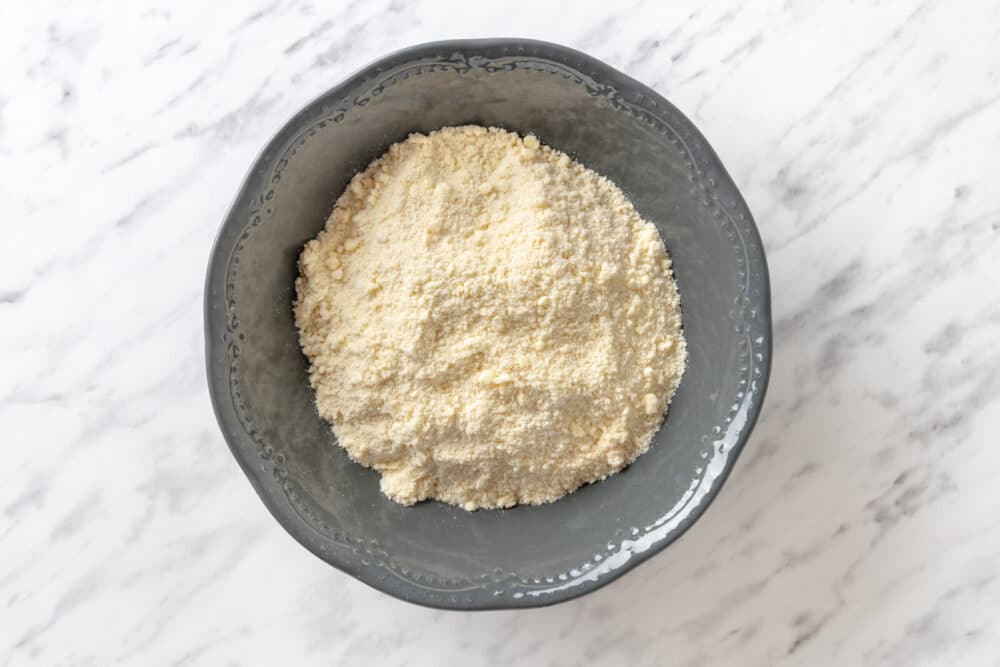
(488, 322)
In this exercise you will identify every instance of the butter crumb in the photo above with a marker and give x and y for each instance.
(503, 342)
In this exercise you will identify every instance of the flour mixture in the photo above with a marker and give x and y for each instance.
(488, 322)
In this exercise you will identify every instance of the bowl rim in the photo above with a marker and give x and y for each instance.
(215, 315)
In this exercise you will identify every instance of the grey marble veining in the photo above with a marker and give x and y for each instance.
(861, 526)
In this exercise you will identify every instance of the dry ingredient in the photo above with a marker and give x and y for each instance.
(488, 322)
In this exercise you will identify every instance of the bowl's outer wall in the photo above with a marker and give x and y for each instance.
(434, 553)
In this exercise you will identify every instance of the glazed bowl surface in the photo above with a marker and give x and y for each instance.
(436, 554)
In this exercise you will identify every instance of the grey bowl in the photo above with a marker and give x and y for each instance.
(435, 554)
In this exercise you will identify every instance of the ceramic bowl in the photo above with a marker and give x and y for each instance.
(435, 554)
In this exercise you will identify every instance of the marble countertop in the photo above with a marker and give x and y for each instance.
(862, 524)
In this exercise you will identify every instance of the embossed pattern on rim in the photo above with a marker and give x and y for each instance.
(751, 316)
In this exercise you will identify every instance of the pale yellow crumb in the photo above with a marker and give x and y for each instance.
(514, 333)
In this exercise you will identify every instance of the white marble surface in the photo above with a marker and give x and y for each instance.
(861, 526)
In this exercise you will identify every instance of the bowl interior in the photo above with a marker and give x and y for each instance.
(436, 553)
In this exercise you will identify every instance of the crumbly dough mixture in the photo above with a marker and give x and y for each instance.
(488, 322)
